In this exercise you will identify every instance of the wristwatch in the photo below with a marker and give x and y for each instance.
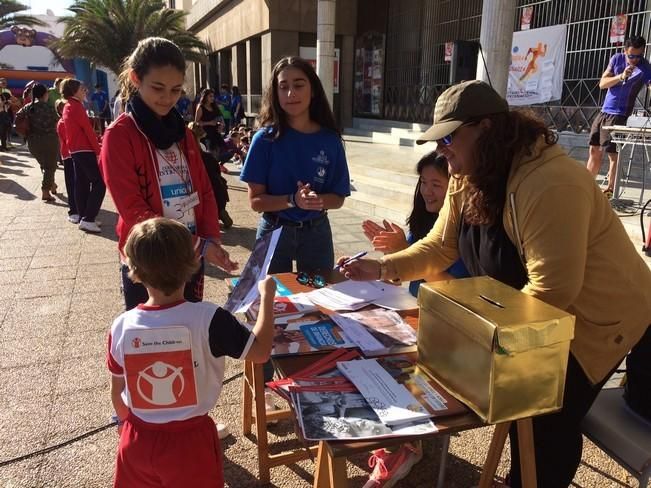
(291, 200)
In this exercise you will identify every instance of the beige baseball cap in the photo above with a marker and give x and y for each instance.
(460, 103)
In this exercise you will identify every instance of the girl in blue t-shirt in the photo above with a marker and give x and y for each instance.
(428, 199)
(296, 168)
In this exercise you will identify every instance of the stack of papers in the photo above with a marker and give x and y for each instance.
(353, 295)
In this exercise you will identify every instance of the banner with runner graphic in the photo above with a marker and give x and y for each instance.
(537, 65)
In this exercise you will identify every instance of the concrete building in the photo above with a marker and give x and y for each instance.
(392, 53)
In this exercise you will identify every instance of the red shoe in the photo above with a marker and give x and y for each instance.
(391, 467)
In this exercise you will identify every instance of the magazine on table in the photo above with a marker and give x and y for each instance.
(340, 413)
(246, 290)
(297, 304)
(378, 331)
(391, 401)
(306, 334)
(281, 289)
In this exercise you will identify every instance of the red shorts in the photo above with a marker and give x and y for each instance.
(175, 455)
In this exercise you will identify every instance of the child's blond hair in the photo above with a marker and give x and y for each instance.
(160, 254)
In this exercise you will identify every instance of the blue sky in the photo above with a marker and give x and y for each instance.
(40, 6)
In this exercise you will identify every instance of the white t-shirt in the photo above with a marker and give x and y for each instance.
(175, 185)
(172, 358)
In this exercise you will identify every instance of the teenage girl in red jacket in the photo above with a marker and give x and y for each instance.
(152, 165)
(84, 150)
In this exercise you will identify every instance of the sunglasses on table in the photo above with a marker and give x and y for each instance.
(316, 281)
(447, 140)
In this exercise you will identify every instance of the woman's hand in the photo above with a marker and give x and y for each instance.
(371, 229)
(217, 256)
(391, 239)
(360, 269)
(307, 199)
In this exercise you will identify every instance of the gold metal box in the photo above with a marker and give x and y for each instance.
(500, 351)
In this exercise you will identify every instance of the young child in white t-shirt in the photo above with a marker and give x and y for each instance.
(167, 361)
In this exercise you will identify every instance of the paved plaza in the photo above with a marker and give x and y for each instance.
(59, 294)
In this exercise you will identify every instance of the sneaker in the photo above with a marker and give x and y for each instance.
(90, 227)
(391, 467)
(269, 405)
(74, 218)
(222, 430)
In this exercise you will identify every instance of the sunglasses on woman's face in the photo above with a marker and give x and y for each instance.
(447, 140)
(316, 281)
(635, 56)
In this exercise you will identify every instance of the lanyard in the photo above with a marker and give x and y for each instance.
(179, 171)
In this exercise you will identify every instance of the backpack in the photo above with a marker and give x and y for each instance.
(21, 123)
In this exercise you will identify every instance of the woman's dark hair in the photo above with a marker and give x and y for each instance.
(38, 91)
(204, 96)
(69, 87)
(152, 52)
(420, 221)
(635, 42)
(235, 91)
(271, 114)
(511, 135)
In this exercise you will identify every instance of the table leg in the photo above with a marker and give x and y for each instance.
(330, 470)
(527, 453)
(247, 398)
(494, 455)
(261, 423)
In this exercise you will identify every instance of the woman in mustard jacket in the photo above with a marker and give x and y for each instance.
(521, 211)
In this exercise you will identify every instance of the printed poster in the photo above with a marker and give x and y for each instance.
(449, 46)
(537, 65)
(618, 29)
(525, 18)
(309, 54)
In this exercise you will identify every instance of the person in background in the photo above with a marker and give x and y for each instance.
(224, 103)
(6, 121)
(521, 211)
(118, 105)
(213, 168)
(84, 150)
(175, 444)
(68, 165)
(231, 149)
(237, 109)
(429, 195)
(183, 106)
(626, 74)
(209, 117)
(54, 93)
(101, 107)
(3, 86)
(42, 139)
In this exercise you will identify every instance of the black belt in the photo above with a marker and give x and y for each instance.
(275, 220)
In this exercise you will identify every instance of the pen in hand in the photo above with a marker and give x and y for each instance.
(357, 256)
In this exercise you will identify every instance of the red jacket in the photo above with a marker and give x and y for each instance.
(63, 144)
(80, 135)
(130, 171)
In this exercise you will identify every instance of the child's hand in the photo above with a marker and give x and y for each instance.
(267, 287)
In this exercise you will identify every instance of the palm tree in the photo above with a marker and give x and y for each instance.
(9, 15)
(106, 31)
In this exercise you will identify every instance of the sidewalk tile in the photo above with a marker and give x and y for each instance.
(29, 351)
(35, 289)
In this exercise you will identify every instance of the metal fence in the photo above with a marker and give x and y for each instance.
(416, 72)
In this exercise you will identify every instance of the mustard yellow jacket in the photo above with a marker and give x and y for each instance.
(575, 249)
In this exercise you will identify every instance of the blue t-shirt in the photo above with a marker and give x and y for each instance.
(457, 270)
(235, 101)
(224, 102)
(620, 98)
(100, 100)
(183, 105)
(279, 164)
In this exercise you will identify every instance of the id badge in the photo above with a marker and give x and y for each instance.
(189, 202)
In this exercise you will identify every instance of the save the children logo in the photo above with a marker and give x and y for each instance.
(159, 368)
